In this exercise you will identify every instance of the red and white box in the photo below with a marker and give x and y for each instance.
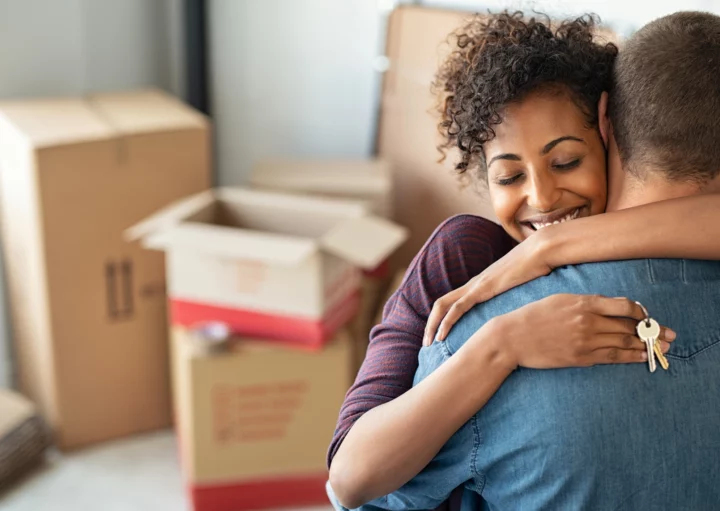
(271, 265)
(255, 419)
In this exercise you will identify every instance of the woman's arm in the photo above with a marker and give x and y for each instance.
(460, 248)
(685, 227)
(393, 442)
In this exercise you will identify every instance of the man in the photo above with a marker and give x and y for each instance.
(613, 437)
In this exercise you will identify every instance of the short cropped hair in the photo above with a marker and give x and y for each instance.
(665, 99)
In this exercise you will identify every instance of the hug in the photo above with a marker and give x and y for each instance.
(510, 370)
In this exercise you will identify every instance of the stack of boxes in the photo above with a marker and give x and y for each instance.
(263, 288)
(270, 291)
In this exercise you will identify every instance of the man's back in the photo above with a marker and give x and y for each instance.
(607, 437)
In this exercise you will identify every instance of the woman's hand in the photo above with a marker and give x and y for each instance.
(527, 261)
(567, 330)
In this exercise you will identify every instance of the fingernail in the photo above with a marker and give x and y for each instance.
(669, 334)
(664, 346)
(643, 356)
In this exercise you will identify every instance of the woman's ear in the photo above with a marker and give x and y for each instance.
(603, 119)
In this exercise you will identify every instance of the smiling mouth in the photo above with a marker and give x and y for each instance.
(553, 219)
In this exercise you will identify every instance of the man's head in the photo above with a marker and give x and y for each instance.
(665, 108)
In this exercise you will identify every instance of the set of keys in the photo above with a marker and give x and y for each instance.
(649, 332)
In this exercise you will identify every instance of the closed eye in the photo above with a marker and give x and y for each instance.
(507, 181)
(568, 166)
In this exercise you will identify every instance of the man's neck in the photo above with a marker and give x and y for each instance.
(654, 188)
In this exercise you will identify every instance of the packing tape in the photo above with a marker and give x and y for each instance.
(211, 338)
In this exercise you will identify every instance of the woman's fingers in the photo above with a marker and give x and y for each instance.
(459, 308)
(624, 342)
(621, 325)
(621, 349)
(619, 307)
(613, 325)
(667, 334)
(438, 312)
(619, 341)
(617, 356)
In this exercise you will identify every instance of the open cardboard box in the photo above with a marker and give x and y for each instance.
(272, 265)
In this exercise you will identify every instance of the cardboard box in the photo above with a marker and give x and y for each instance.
(278, 266)
(408, 134)
(372, 290)
(88, 310)
(254, 423)
(367, 180)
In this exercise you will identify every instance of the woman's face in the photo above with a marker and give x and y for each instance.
(545, 165)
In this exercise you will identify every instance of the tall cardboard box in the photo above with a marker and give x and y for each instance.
(255, 421)
(274, 265)
(426, 191)
(88, 309)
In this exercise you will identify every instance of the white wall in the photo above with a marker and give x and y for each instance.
(292, 77)
(71, 47)
(625, 16)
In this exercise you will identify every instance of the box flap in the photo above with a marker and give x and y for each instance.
(52, 122)
(170, 215)
(145, 111)
(233, 243)
(365, 241)
(348, 177)
(289, 201)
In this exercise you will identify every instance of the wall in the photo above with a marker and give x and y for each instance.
(71, 47)
(292, 78)
(624, 16)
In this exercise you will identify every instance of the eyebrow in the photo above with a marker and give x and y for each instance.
(550, 145)
(546, 149)
(505, 156)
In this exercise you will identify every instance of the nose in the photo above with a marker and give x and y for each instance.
(543, 194)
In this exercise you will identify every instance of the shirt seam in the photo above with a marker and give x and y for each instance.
(478, 475)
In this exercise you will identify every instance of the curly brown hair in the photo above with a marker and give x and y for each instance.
(499, 58)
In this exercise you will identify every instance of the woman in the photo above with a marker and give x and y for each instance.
(522, 108)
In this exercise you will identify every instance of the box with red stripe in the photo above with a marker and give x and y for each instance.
(272, 265)
(254, 419)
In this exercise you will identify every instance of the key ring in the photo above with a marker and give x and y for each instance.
(647, 314)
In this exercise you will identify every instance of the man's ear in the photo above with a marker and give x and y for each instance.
(603, 119)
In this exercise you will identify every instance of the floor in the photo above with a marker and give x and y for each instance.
(137, 474)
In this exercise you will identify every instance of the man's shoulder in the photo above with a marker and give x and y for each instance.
(637, 279)
(589, 278)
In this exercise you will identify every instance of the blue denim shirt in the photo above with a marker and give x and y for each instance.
(612, 437)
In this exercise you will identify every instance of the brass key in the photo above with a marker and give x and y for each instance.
(661, 356)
